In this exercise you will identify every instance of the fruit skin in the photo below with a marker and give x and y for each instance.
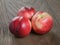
(27, 12)
(20, 26)
(42, 22)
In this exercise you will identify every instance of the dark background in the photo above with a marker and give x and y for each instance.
(8, 10)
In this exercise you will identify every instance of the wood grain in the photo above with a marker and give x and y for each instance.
(9, 9)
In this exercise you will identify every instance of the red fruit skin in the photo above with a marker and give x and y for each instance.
(42, 24)
(20, 27)
(25, 24)
(27, 12)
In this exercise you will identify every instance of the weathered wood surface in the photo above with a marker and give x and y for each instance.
(8, 10)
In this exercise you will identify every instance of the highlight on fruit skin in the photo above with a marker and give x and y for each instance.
(20, 26)
(42, 22)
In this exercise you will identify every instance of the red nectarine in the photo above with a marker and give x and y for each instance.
(42, 22)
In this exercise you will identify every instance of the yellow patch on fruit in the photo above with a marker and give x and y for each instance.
(38, 25)
(43, 15)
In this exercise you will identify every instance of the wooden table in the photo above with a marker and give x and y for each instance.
(8, 10)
